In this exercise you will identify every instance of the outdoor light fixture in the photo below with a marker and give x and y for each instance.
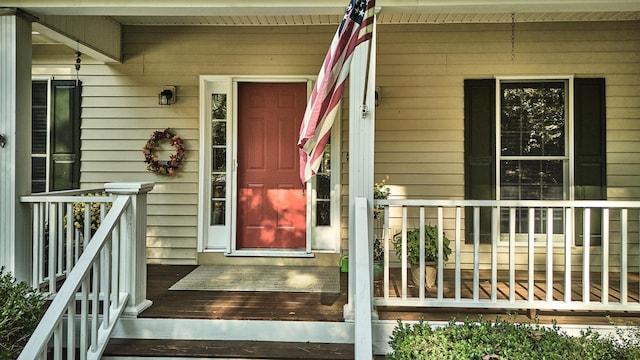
(167, 95)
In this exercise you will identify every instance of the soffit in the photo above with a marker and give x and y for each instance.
(384, 17)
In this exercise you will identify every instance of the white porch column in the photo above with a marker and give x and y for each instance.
(361, 139)
(15, 144)
(134, 247)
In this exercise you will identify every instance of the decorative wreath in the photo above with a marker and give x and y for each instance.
(174, 159)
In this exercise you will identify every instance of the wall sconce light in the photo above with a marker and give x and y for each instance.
(167, 95)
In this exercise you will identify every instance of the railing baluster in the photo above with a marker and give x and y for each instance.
(52, 249)
(586, 256)
(95, 304)
(458, 284)
(57, 341)
(512, 254)
(71, 330)
(106, 283)
(476, 253)
(386, 251)
(35, 243)
(624, 247)
(422, 263)
(531, 261)
(495, 226)
(61, 232)
(605, 257)
(115, 265)
(69, 238)
(404, 253)
(440, 261)
(84, 318)
(549, 255)
(568, 231)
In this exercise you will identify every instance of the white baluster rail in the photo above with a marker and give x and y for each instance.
(92, 285)
(543, 268)
(100, 279)
(57, 243)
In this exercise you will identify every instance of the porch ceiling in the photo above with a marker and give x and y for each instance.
(295, 12)
(385, 17)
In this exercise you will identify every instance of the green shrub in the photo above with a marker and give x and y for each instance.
(21, 308)
(502, 340)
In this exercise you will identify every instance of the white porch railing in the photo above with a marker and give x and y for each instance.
(541, 266)
(100, 278)
(62, 227)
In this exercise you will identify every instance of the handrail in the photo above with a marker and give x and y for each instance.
(97, 276)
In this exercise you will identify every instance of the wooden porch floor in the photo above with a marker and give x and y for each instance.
(237, 305)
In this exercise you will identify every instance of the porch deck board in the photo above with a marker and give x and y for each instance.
(238, 305)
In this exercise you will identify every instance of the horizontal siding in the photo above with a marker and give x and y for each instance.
(419, 122)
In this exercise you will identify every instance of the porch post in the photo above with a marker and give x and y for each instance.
(134, 245)
(15, 141)
(361, 139)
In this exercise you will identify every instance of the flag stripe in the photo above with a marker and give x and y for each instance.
(355, 28)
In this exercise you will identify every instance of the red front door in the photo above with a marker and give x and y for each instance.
(271, 209)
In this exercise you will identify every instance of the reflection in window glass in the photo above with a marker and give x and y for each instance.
(218, 158)
(533, 155)
(323, 188)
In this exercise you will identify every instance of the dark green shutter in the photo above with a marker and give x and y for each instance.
(65, 135)
(479, 151)
(590, 151)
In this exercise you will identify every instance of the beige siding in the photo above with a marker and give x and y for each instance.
(421, 69)
(419, 126)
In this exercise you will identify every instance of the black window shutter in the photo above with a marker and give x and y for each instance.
(479, 152)
(590, 151)
(65, 135)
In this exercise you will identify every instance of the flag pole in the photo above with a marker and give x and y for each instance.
(366, 76)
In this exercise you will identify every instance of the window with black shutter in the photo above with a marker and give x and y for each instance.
(521, 151)
(56, 135)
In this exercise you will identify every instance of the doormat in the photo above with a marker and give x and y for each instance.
(261, 278)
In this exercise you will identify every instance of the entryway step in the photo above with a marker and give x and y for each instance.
(224, 349)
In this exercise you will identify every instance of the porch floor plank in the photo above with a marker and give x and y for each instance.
(238, 305)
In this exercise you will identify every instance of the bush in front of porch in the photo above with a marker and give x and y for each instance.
(501, 340)
(21, 309)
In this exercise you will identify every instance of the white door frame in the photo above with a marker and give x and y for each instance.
(221, 238)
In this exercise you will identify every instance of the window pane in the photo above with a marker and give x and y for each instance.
(218, 186)
(218, 159)
(219, 106)
(533, 119)
(532, 179)
(323, 213)
(218, 133)
(323, 186)
(217, 212)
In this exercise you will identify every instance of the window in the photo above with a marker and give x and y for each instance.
(529, 156)
(218, 158)
(533, 153)
(55, 150)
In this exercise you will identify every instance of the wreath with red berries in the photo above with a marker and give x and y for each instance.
(174, 161)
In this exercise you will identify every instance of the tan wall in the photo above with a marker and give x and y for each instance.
(419, 126)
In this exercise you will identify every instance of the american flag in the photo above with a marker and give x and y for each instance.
(355, 28)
